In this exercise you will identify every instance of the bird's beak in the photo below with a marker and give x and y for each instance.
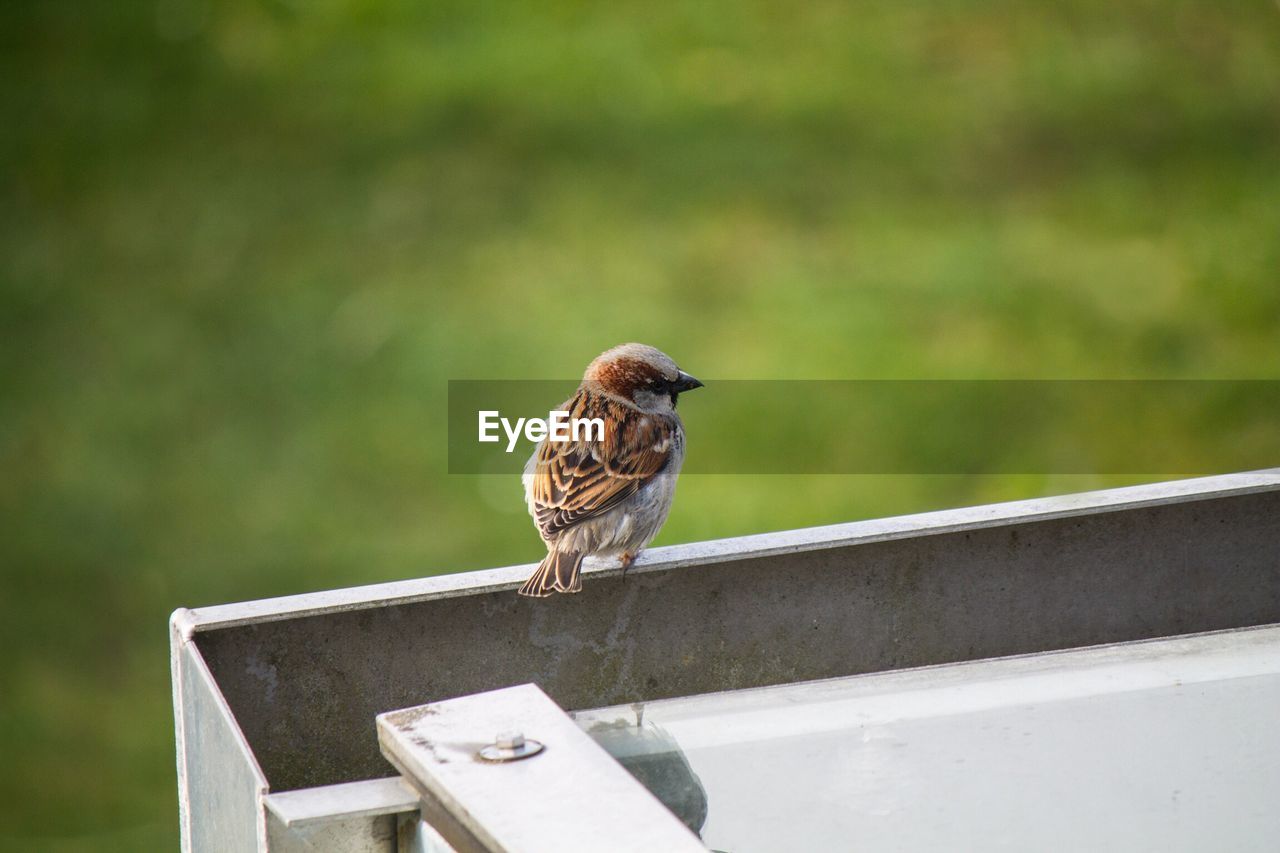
(685, 382)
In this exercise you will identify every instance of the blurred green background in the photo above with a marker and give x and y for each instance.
(244, 245)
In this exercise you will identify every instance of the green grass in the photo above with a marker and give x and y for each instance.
(243, 250)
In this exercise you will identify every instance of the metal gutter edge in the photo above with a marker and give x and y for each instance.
(181, 647)
(346, 800)
(738, 548)
(177, 638)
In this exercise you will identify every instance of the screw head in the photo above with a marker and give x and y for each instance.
(510, 746)
(509, 740)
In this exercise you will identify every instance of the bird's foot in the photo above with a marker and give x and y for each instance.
(626, 560)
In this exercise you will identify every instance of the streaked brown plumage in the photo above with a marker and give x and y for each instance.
(611, 496)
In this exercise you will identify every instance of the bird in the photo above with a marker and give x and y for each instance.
(608, 496)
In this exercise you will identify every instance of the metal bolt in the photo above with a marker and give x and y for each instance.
(510, 746)
(509, 740)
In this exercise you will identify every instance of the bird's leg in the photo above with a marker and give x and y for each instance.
(626, 560)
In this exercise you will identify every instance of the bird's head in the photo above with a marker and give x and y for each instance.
(639, 376)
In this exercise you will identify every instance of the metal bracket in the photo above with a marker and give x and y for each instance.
(569, 798)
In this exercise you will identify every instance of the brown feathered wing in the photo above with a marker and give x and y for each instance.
(577, 481)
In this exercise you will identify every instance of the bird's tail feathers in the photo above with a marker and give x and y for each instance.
(559, 572)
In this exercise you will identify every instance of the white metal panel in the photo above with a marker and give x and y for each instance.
(1160, 745)
(375, 816)
(220, 784)
(349, 800)
(203, 715)
(570, 798)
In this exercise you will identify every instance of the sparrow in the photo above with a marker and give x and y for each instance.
(608, 497)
